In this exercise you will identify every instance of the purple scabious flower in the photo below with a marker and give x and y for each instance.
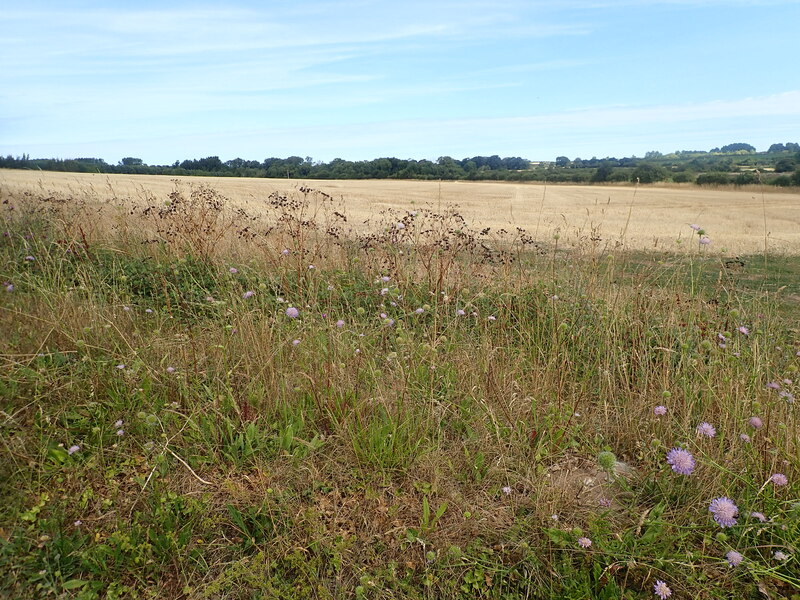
(705, 240)
(755, 422)
(248, 294)
(778, 479)
(73, 449)
(233, 270)
(734, 558)
(706, 429)
(773, 385)
(743, 330)
(661, 589)
(780, 555)
(584, 542)
(681, 460)
(745, 438)
(460, 312)
(695, 227)
(170, 369)
(419, 311)
(724, 511)
(660, 411)
(292, 312)
(759, 515)
(340, 323)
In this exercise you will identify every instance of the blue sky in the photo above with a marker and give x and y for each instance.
(360, 79)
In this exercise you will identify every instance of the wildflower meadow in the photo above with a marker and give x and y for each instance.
(199, 402)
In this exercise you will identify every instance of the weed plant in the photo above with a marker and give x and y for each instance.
(200, 403)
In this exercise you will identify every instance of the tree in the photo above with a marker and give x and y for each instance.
(129, 161)
(603, 173)
(516, 163)
(562, 161)
(746, 178)
(776, 148)
(712, 179)
(785, 165)
(730, 148)
(648, 174)
(494, 162)
(682, 177)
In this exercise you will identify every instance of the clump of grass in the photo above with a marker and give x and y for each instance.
(291, 406)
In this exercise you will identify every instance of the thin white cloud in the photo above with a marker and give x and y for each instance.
(387, 75)
(602, 131)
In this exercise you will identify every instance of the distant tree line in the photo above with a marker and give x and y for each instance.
(733, 164)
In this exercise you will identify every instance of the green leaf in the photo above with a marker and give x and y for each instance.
(74, 584)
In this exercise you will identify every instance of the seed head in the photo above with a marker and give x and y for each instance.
(607, 460)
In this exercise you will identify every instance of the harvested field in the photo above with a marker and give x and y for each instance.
(644, 218)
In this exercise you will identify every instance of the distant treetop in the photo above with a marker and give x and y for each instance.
(730, 148)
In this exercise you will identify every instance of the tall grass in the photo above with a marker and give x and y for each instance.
(445, 413)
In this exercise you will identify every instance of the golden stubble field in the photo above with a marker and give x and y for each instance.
(655, 218)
